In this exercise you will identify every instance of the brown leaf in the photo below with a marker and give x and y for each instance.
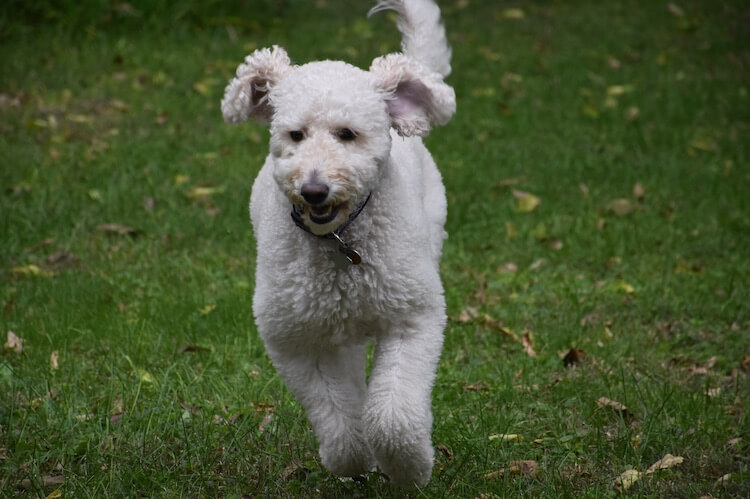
(54, 359)
(620, 207)
(639, 192)
(116, 417)
(627, 479)
(477, 386)
(47, 481)
(265, 422)
(468, 314)
(121, 230)
(668, 461)
(193, 348)
(604, 402)
(521, 467)
(446, 452)
(528, 347)
(573, 357)
(14, 342)
(60, 261)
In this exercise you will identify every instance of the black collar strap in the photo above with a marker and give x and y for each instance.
(350, 254)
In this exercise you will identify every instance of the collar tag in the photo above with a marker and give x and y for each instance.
(349, 252)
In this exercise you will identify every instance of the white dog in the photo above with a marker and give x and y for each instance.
(358, 259)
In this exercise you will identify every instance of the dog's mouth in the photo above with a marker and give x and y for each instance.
(323, 214)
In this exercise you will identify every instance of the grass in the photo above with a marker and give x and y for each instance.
(110, 116)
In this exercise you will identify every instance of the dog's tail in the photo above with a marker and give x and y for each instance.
(423, 33)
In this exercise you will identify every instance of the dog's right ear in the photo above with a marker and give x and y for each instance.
(246, 96)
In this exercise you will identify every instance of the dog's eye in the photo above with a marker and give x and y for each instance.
(346, 134)
(296, 135)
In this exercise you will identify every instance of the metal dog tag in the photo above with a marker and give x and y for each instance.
(350, 254)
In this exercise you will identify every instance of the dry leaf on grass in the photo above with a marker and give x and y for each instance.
(573, 357)
(445, 451)
(627, 479)
(47, 481)
(520, 467)
(605, 403)
(267, 418)
(118, 229)
(639, 192)
(31, 270)
(54, 360)
(506, 437)
(14, 342)
(525, 201)
(668, 461)
(527, 342)
(193, 348)
(620, 207)
(477, 386)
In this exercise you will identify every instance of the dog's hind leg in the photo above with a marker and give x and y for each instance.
(331, 387)
(398, 414)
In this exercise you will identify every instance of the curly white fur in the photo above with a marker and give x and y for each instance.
(357, 133)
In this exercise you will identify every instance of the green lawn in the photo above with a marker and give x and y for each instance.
(597, 172)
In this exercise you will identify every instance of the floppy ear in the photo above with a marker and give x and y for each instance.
(247, 94)
(417, 98)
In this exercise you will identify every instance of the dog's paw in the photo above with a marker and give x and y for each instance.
(402, 447)
(347, 455)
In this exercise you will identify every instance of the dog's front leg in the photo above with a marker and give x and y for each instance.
(398, 414)
(331, 387)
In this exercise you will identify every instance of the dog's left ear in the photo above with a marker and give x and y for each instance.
(246, 96)
(417, 98)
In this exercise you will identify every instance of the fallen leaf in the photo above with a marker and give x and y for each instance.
(54, 359)
(507, 268)
(521, 467)
(668, 461)
(14, 342)
(639, 192)
(446, 452)
(509, 182)
(620, 207)
(506, 437)
(514, 13)
(61, 260)
(606, 403)
(468, 314)
(116, 417)
(675, 9)
(207, 309)
(31, 270)
(617, 90)
(528, 347)
(525, 201)
(477, 386)
(536, 263)
(193, 348)
(627, 479)
(145, 376)
(122, 230)
(265, 422)
(573, 357)
(713, 392)
(623, 286)
(199, 193)
(724, 479)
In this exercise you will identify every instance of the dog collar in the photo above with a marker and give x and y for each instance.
(350, 253)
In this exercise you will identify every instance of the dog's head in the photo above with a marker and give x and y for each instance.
(330, 123)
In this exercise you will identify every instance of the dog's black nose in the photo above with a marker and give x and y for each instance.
(314, 193)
